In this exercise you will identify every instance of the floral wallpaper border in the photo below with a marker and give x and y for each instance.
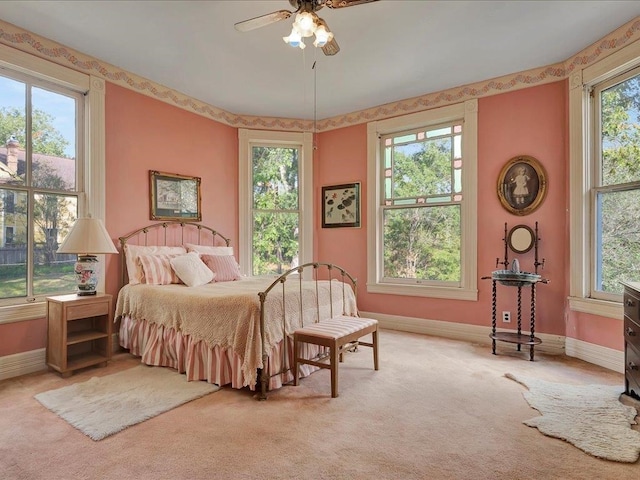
(25, 41)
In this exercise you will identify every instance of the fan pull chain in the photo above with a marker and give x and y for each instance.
(315, 106)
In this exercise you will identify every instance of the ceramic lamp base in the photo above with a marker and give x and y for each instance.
(86, 270)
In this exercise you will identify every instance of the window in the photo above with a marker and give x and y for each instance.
(604, 105)
(38, 123)
(51, 136)
(421, 232)
(616, 187)
(422, 218)
(275, 201)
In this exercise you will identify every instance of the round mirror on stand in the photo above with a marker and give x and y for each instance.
(521, 239)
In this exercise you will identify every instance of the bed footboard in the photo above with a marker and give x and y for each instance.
(316, 272)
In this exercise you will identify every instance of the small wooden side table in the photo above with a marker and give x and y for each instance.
(79, 331)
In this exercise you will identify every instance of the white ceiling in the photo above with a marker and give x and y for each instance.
(390, 49)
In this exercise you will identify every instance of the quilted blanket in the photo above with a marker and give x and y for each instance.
(228, 313)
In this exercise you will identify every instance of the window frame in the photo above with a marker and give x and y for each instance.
(249, 138)
(93, 198)
(583, 161)
(467, 112)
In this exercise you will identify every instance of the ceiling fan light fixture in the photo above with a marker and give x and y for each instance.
(294, 39)
(322, 36)
(306, 23)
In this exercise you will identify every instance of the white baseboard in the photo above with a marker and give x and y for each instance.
(596, 354)
(35, 360)
(23, 363)
(552, 344)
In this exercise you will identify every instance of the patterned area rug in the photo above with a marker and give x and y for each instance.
(106, 405)
(590, 417)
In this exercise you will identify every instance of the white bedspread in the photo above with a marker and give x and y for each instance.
(228, 313)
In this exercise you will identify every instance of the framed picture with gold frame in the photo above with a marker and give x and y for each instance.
(174, 197)
(522, 185)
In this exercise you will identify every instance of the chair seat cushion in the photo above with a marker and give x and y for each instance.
(337, 327)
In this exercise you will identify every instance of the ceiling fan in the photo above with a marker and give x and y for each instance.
(306, 24)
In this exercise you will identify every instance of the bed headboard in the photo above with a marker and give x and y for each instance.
(170, 233)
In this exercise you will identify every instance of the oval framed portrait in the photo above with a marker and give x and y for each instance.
(522, 185)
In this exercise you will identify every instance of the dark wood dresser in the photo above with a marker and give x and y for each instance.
(632, 339)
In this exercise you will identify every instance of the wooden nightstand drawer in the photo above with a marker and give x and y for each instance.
(632, 369)
(88, 310)
(631, 332)
(631, 306)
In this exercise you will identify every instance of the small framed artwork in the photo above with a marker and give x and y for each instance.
(341, 205)
(522, 185)
(174, 197)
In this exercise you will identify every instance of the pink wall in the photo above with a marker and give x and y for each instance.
(144, 134)
(526, 122)
(341, 157)
(594, 329)
(533, 122)
(23, 336)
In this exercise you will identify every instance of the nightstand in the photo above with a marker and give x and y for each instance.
(79, 331)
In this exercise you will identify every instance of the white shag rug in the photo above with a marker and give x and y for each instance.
(106, 405)
(590, 417)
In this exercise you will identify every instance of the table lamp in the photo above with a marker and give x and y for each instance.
(87, 238)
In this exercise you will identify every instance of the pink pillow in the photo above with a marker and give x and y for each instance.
(157, 269)
(134, 267)
(224, 266)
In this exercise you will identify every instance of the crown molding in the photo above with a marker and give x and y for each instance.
(42, 47)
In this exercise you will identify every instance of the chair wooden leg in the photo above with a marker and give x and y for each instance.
(374, 334)
(334, 369)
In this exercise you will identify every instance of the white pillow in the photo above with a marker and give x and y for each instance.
(208, 249)
(132, 252)
(191, 270)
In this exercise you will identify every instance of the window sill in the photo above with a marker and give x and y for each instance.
(451, 293)
(602, 308)
(20, 313)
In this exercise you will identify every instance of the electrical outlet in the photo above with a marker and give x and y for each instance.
(506, 317)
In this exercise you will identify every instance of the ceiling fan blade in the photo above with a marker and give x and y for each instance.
(346, 3)
(331, 47)
(262, 20)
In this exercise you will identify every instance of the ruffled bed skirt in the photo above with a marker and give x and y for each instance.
(160, 346)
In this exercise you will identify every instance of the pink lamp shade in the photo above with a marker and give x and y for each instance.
(87, 238)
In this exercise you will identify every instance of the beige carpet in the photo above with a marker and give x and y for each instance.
(590, 417)
(106, 405)
(437, 409)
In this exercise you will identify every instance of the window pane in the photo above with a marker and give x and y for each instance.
(405, 138)
(53, 217)
(617, 240)
(620, 132)
(438, 132)
(275, 178)
(275, 242)
(13, 243)
(422, 168)
(53, 131)
(422, 243)
(12, 131)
